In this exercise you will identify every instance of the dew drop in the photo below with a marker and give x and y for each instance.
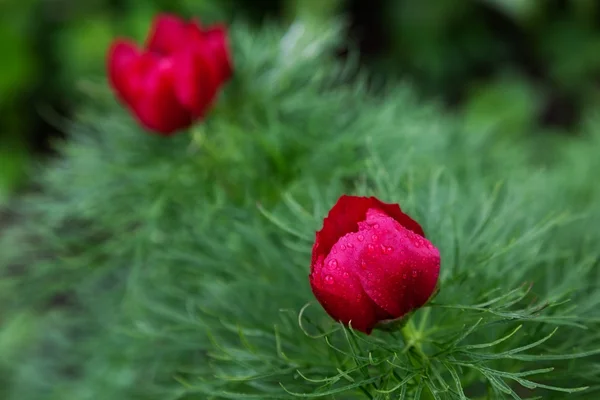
(370, 247)
(376, 226)
(363, 264)
(415, 273)
(360, 238)
(404, 276)
(429, 246)
(346, 275)
(333, 263)
(350, 245)
(386, 249)
(417, 243)
(329, 279)
(343, 247)
(374, 237)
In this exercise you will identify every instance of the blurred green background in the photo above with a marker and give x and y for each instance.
(519, 67)
(530, 66)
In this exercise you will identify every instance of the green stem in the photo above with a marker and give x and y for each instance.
(411, 338)
(415, 352)
(198, 136)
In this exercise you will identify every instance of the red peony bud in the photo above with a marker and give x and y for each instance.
(371, 263)
(174, 80)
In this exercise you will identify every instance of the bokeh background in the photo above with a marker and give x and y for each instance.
(528, 67)
(519, 69)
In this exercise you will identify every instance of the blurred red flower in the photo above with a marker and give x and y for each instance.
(371, 263)
(174, 80)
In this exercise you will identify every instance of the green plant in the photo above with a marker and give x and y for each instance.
(177, 269)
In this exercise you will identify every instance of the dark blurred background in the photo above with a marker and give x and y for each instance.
(531, 66)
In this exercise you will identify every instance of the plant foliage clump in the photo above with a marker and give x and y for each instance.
(153, 268)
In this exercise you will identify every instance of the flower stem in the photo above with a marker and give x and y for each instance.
(412, 338)
(198, 135)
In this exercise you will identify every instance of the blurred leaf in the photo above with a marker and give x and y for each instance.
(572, 53)
(318, 10)
(82, 47)
(138, 22)
(517, 9)
(13, 161)
(18, 63)
(508, 104)
(15, 334)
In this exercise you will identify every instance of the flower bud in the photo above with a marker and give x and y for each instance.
(173, 80)
(371, 263)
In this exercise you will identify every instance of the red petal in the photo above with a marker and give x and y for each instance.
(168, 33)
(345, 215)
(216, 39)
(397, 268)
(194, 32)
(122, 58)
(196, 80)
(342, 296)
(156, 106)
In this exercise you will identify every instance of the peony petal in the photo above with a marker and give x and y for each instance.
(168, 33)
(122, 58)
(373, 248)
(196, 80)
(342, 296)
(194, 32)
(156, 106)
(397, 268)
(345, 215)
(216, 40)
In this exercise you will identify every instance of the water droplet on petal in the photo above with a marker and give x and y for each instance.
(329, 279)
(429, 246)
(346, 275)
(343, 247)
(333, 263)
(386, 249)
(363, 264)
(370, 247)
(360, 238)
(374, 237)
(376, 226)
(415, 273)
(404, 276)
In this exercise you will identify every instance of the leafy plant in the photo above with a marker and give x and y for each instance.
(177, 269)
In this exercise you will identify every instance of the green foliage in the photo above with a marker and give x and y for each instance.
(48, 54)
(153, 268)
(17, 70)
(451, 47)
(454, 50)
